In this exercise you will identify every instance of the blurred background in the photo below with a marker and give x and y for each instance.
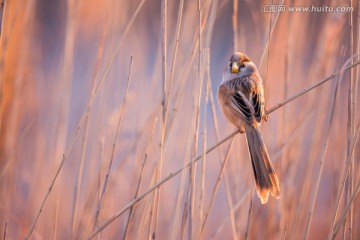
(116, 95)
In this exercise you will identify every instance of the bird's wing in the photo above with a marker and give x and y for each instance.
(258, 104)
(241, 107)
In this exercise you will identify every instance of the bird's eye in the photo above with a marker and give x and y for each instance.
(242, 64)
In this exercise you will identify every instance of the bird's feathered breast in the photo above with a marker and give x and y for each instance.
(242, 98)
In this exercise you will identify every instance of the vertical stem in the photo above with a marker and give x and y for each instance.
(235, 24)
(249, 214)
(203, 162)
(196, 133)
(178, 27)
(55, 219)
(152, 209)
(216, 187)
(322, 160)
(79, 177)
(270, 33)
(163, 115)
(98, 209)
(343, 180)
(351, 130)
(140, 177)
(342, 217)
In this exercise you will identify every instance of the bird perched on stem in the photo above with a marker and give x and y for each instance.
(241, 98)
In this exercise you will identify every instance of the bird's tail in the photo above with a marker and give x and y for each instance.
(266, 179)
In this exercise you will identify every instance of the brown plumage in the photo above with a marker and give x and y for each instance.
(241, 98)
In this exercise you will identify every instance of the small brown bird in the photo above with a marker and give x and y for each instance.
(241, 98)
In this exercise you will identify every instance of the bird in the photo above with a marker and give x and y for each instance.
(241, 99)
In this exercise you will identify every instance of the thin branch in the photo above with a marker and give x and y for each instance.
(311, 87)
(270, 33)
(203, 162)
(173, 174)
(249, 214)
(163, 116)
(181, 189)
(178, 27)
(216, 186)
(342, 217)
(322, 160)
(349, 185)
(140, 177)
(98, 209)
(85, 136)
(342, 183)
(197, 103)
(55, 219)
(235, 24)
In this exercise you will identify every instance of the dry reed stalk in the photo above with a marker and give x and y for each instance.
(183, 77)
(342, 182)
(55, 220)
(98, 208)
(82, 119)
(212, 17)
(197, 103)
(183, 221)
(180, 194)
(99, 183)
(285, 131)
(163, 116)
(309, 88)
(216, 186)
(267, 45)
(310, 165)
(79, 177)
(235, 24)
(203, 162)
(151, 204)
(143, 230)
(351, 129)
(249, 214)
(173, 174)
(322, 159)
(206, 17)
(85, 136)
(140, 176)
(273, 24)
(342, 217)
(177, 36)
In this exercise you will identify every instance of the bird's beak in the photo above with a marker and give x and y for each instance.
(234, 67)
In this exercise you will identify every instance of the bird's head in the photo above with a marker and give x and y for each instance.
(240, 65)
(238, 61)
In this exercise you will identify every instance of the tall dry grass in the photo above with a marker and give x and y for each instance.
(110, 126)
